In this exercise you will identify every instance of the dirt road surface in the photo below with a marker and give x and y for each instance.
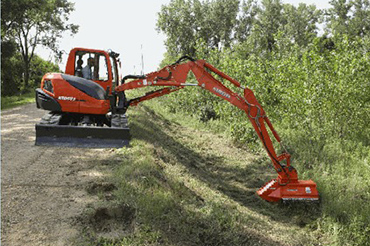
(43, 189)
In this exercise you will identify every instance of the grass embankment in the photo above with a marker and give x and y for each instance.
(13, 101)
(189, 186)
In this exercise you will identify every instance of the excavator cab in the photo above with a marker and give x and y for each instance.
(81, 103)
(98, 66)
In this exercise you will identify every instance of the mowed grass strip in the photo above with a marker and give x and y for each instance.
(193, 187)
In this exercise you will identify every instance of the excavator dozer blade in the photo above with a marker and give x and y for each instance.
(82, 136)
(298, 190)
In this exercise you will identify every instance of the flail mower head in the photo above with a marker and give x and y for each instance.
(295, 190)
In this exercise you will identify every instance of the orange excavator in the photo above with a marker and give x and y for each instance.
(88, 104)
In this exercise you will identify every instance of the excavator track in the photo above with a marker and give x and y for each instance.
(51, 132)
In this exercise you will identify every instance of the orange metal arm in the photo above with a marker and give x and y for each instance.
(175, 76)
(286, 186)
(154, 94)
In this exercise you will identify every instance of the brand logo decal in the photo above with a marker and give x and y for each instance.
(64, 98)
(221, 92)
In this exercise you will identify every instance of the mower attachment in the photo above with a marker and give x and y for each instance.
(297, 190)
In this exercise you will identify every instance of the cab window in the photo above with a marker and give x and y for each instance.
(102, 68)
(91, 66)
(114, 72)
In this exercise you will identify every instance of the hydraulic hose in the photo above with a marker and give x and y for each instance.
(273, 157)
(132, 77)
(183, 58)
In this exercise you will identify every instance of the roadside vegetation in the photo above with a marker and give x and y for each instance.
(184, 181)
(26, 25)
(181, 183)
(319, 105)
(314, 87)
(13, 101)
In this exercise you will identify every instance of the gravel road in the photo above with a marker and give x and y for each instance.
(43, 189)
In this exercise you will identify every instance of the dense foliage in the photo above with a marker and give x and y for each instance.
(12, 71)
(25, 25)
(315, 89)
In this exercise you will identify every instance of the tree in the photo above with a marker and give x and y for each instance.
(177, 21)
(221, 18)
(11, 68)
(186, 22)
(301, 23)
(269, 20)
(260, 26)
(31, 23)
(360, 22)
(249, 11)
(338, 17)
(219, 24)
(348, 17)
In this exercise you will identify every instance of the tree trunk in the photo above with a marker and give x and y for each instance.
(26, 76)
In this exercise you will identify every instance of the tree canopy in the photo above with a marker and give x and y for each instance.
(224, 23)
(26, 24)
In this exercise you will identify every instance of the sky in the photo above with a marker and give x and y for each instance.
(127, 27)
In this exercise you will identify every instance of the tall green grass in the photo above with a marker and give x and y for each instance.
(14, 101)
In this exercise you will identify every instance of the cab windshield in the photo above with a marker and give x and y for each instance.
(92, 66)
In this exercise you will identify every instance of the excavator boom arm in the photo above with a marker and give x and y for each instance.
(174, 77)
